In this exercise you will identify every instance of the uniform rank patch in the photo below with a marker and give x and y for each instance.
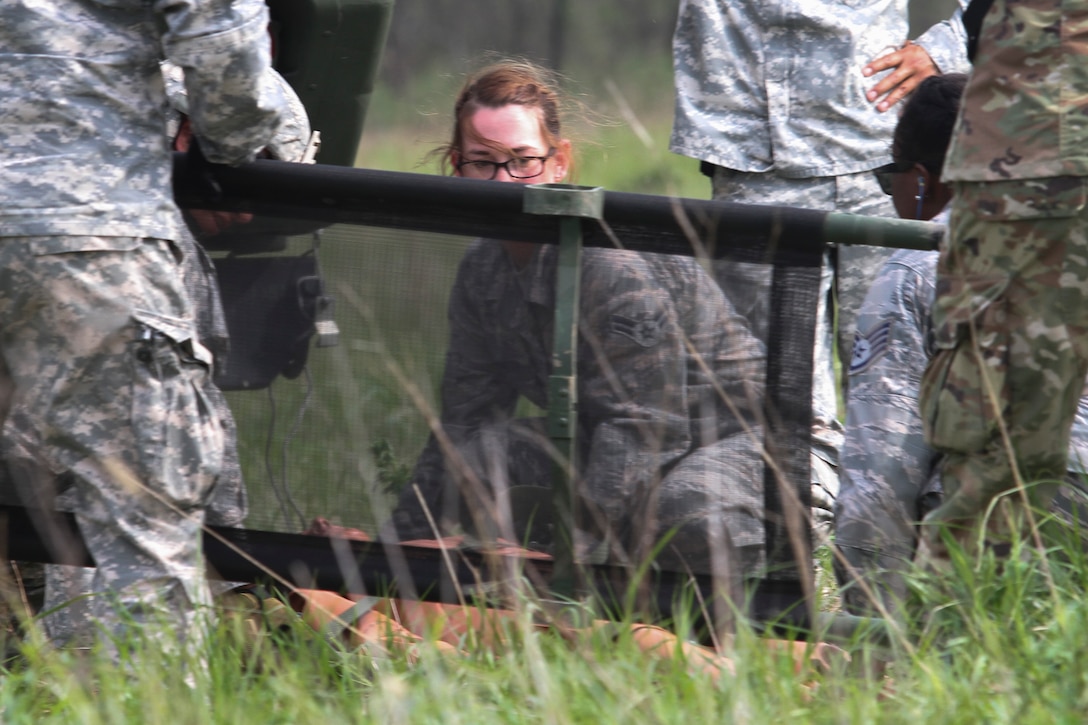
(645, 328)
(870, 347)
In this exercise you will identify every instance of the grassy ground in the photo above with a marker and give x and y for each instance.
(993, 643)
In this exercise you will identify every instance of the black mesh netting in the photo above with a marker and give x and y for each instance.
(336, 299)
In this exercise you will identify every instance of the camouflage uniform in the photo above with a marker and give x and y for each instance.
(889, 473)
(98, 333)
(68, 618)
(771, 93)
(1011, 316)
(658, 439)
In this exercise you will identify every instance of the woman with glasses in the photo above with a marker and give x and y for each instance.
(669, 378)
(913, 178)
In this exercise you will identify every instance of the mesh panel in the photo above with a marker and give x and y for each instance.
(336, 431)
(342, 439)
(337, 439)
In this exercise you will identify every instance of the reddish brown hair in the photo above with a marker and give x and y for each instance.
(501, 84)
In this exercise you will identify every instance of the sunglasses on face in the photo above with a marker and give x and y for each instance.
(884, 173)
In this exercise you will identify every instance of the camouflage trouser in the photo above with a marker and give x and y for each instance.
(107, 385)
(1011, 333)
(748, 287)
(67, 619)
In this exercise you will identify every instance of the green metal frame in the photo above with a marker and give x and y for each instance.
(881, 231)
(572, 204)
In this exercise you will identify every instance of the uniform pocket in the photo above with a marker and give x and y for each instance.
(964, 390)
(178, 437)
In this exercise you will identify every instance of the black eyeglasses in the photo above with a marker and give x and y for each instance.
(884, 173)
(519, 167)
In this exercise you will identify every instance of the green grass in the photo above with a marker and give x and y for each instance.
(988, 643)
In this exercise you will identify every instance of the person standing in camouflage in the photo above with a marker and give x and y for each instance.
(670, 379)
(1010, 321)
(98, 332)
(772, 98)
(66, 607)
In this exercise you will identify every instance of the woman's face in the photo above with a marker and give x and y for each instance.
(516, 130)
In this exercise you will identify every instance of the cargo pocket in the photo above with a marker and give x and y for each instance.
(179, 440)
(965, 386)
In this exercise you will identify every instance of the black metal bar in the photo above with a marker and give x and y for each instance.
(471, 207)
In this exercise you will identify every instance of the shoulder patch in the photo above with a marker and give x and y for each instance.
(645, 328)
(870, 347)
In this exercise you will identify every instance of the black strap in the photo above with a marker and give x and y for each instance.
(972, 23)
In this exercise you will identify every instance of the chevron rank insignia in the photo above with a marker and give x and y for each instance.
(870, 347)
(644, 328)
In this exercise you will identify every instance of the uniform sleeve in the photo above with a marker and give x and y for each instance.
(474, 395)
(1078, 438)
(886, 462)
(946, 43)
(631, 387)
(235, 100)
(474, 390)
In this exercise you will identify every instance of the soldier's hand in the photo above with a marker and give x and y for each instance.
(910, 66)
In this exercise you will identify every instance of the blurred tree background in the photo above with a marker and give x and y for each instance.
(614, 53)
